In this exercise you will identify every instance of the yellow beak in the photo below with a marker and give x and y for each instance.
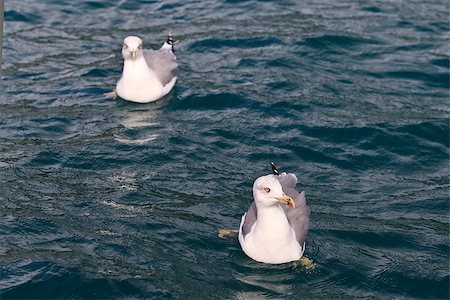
(286, 200)
(133, 54)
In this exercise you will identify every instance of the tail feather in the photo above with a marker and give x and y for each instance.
(274, 168)
(170, 39)
(169, 44)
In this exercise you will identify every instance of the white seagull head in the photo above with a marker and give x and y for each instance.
(132, 47)
(267, 191)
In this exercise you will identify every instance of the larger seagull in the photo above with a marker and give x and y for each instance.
(147, 75)
(274, 229)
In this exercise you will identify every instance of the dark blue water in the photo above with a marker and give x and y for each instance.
(110, 199)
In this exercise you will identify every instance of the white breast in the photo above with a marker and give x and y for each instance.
(139, 83)
(271, 239)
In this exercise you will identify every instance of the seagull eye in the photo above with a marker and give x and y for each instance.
(125, 46)
(140, 46)
(267, 190)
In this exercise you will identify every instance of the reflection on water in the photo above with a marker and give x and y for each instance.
(269, 283)
(137, 119)
(135, 141)
(125, 180)
(272, 280)
(139, 125)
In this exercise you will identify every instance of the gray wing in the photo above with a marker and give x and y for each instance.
(297, 216)
(249, 219)
(162, 62)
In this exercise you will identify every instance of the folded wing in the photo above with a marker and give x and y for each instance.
(298, 216)
(163, 63)
(249, 220)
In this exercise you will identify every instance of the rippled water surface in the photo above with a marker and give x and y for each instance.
(110, 199)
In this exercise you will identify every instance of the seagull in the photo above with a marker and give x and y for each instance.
(274, 229)
(147, 75)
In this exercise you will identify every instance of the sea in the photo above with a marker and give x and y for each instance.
(109, 199)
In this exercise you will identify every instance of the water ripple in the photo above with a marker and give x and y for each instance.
(104, 198)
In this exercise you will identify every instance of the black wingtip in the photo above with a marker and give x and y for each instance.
(274, 168)
(170, 40)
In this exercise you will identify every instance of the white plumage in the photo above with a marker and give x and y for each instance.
(274, 229)
(147, 75)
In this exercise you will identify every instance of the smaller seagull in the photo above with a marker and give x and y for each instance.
(147, 75)
(274, 229)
